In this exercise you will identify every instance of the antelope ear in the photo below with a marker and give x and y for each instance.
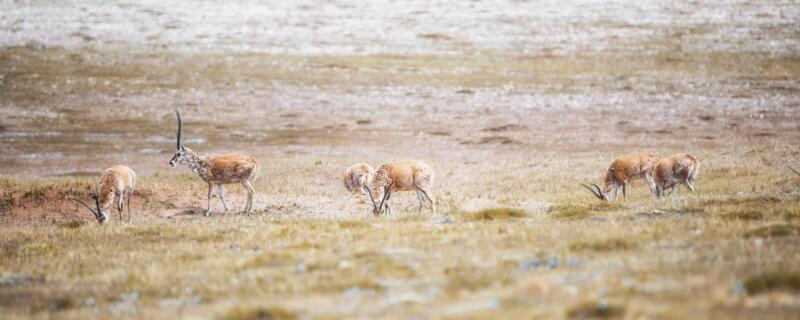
(182, 147)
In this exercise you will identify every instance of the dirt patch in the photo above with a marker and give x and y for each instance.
(505, 127)
(502, 140)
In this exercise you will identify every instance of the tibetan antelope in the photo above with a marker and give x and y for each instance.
(623, 170)
(115, 182)
(219, 169)
(674, 170)
(403, 175)
(357, 177)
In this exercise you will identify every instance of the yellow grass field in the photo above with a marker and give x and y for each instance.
(514, 105)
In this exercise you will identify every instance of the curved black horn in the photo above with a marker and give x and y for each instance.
(96, 215)
(597, 194)
(369, 192)
(602, 196)
(178, 115)
(795, 171)
(97, 200)
(385, 194)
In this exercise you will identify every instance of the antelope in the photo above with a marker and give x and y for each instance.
(674, 170)
(357, 177)
(117, 183)
(622, 171)
(218, 169)
(402, 175)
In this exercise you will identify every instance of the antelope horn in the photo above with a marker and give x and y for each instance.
(97, 199)
(597, 194)
(795, 171)
(369, 192)
(385, 194)
(178, 115)
(96, 214)
(84, 204)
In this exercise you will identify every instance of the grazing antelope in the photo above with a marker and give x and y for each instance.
(219, 169)
(623, 170)
(357, 177)
(115, 182)
(403, 175)
(674, 170)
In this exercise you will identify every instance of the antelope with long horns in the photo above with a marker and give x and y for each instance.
(116, 183)
(357, 177)
(218, 170)
(675, 170)
(402, 175)
(624, 170)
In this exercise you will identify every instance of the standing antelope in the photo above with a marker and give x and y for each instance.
(218, 169)
(623, 170)
(674, 170)
(402, 175)
(115, 182)
(357, 177)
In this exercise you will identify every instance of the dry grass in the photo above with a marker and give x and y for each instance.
(228, 265)
(257, 313)
(596, 310)
(510, 133)
(770, 281)
(494, 214)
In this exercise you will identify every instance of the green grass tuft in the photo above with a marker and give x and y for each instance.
(770, 281)
(495, 214)
(569, 213)
(609, 244)
(74, 224)
(775, 230)
(257, 313)
(596, 310)
(744, 215)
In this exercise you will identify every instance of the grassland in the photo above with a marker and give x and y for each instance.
(512, 112)
(733, 242)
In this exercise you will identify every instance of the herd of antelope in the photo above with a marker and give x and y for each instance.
(117, 183)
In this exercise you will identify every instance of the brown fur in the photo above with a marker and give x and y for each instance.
(402, 175)
(220, 169)
(357, 177)
(675, 170)
(626, 169)
(116, 183)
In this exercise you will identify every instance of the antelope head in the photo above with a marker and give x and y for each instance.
(376, 208)
(599, 193)
(101, 217)
(180, 153)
